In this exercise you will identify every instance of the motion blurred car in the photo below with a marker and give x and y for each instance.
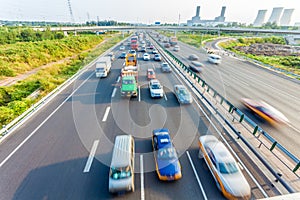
(157, 57)
(122, 48)
(215, 59)
(196, 66)
(182, 94)
(167, 45)
(146, 56)
(122, 55)
(224, 169)
(265, 111)
(176, 48)
(156, 89)
(150, 74)
(193, 57)
(166, 160)
(165, 67)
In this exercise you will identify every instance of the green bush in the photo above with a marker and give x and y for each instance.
(6, 115)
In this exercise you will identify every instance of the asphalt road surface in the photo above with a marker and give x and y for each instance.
(48, 156)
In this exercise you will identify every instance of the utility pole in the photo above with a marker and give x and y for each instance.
(71, 12)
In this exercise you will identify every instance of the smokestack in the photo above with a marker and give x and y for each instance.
(198, 11)
(223, 11)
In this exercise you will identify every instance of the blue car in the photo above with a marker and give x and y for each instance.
(166, 160)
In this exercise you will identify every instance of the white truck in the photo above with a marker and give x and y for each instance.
(103, 66)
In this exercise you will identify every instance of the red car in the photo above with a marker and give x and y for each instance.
(151, 74)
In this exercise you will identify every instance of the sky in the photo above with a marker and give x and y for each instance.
(140, 11)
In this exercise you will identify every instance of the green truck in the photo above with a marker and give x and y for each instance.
(129, 85)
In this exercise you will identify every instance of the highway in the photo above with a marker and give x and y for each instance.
(49, 156)
(235, 79)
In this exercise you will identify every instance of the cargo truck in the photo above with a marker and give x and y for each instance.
(103, 66)
(130, 59)
(129, 84)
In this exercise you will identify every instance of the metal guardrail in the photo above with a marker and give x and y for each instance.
(239, 115)
(241, 118)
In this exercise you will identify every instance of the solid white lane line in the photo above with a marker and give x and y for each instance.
(106, 114)
(91, 157)
(37, 128)
(198, 180)
(153, 66)
(142, 177)
(114, 92)
(139, 93)
(165, 96)
(293, 127)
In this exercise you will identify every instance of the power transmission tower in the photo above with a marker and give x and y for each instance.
(70, 10)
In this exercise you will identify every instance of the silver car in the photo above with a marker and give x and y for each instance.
(182, 94)
(165, 67)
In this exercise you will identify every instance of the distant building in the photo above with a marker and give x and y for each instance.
(196, 20)
(280, 16)
(285, 19)
(275, 15)
(260, 18)
(221, 18)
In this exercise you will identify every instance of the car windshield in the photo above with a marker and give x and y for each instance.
(100, 70)
(228, 168)
(120, 172)
(167, 153)
(165, 65)
(127, 81)
(131, 58)
(151, 72)
(156, 86)
(182, 92)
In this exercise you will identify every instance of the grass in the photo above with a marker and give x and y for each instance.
(288, 63)
(195, 39)
(14, 99)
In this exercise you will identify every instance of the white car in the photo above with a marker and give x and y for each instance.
(122, 48)
(176, 48)
(215, 59)
(154, 51)
(224, 169)
(146, 56)
(132, 52)
(156, 89)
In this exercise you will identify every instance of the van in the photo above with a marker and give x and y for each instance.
(121, 173)
(112, 56)
(215, 59)
(103, 66)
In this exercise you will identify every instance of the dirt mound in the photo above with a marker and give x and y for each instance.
(268, 49)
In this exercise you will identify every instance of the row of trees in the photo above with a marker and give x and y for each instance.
(9, 35)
